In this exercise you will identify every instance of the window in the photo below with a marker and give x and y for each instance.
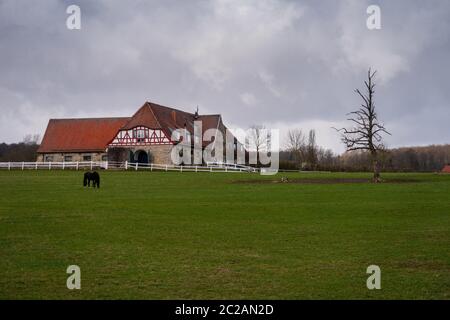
(140, 135)
(67, 158)
(48, 158)
(105, 158)
(87, 157)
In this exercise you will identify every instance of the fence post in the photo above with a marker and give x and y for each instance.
(23, 165)
(36, 165)
(137, 165)
(9, 165)
(151, 166)
(181, 168)
(77, 165)
(166, 167)
(49, 166)
(210, 169)
(64, 165)
(126, 165)
(91, 164)
(196, 168)
(106, 165)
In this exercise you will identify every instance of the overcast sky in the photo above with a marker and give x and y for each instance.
(285, 64)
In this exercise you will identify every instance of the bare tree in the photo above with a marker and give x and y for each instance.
(258, 139)
(296, 144)
(311, 149)
(31, 139)
(367, 130)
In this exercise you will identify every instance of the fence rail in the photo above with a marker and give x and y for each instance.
(110, 165)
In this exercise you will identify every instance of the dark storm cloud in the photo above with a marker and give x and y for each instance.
(282, 63)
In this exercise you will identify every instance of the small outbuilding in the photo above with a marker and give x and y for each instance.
(446, 169)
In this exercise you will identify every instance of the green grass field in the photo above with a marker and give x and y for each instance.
(176, 235)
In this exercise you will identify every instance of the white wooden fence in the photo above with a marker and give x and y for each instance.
(109, 165)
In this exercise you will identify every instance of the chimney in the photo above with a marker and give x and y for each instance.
(174, 116)
(196, 114)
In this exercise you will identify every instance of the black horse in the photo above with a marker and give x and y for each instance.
(91, 176)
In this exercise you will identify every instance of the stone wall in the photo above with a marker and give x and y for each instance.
(70, 156)
(158, 154)
(118, 154)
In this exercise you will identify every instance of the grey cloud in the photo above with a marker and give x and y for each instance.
(287, 63)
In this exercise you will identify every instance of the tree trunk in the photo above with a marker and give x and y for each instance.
(376, 171)
(257, 156)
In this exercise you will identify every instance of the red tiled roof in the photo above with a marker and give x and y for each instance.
(446, 169)
(143, 117)
(77, 135)
(172, 118)
(210, 122)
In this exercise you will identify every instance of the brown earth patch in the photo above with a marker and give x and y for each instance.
(323, 181)
(424, 265)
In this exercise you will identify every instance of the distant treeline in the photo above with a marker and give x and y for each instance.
(305, 156)
(426, 159)
(18, 152)
(418, 159)
(22, 151)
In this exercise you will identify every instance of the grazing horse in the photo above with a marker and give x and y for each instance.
(91, 176)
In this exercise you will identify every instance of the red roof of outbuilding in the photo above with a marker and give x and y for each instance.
(77, 135)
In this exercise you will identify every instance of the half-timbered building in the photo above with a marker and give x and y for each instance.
(146, 137)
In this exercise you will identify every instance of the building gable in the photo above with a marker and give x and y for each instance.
(143, 117)
(139, 136)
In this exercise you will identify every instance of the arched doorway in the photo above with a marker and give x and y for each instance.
(141, 156)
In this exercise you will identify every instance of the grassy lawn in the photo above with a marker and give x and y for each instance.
(172, 235)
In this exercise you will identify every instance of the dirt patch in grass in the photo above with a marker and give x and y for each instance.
(322, 181)
(424, 265)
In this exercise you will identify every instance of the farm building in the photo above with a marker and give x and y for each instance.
(446, 169)
(146, 137)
